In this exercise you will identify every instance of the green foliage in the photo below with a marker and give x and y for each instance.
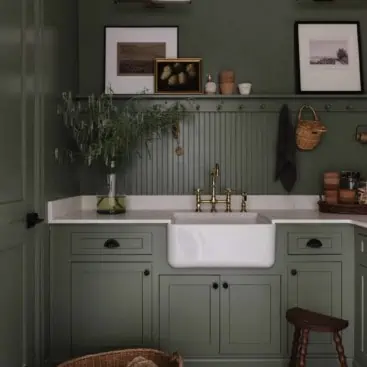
(102, 131)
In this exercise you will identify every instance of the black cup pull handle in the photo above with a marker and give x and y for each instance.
(314, 243)
(146, 272)
(215, 285)
(225, 285)
(111, 243)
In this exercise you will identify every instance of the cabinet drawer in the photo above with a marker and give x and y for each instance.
(361, 248)
(127, 243)
(314, 243)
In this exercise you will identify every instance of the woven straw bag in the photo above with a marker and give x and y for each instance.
(308, 132)
(124, 357)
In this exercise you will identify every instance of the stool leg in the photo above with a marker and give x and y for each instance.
(303, 347)
(295, 346)
(340, 350)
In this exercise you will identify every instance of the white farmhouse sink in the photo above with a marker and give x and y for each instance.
(221, 240)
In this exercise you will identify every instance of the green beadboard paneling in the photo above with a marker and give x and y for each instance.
(243, 143)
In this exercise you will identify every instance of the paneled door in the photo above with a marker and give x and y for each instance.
(17, 183)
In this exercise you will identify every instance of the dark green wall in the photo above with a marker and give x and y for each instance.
(255, 38)
(59, 69)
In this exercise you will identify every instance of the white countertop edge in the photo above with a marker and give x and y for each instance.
(109, 221)
(61, 207)
(297, 209)
(164, 217)
(168, 221)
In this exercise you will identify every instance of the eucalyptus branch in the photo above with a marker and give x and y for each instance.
(102, 131)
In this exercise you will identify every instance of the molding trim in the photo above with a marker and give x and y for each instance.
(311, 362)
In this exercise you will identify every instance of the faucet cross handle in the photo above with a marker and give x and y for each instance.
(228, 193)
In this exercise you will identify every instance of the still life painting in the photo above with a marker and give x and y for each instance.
(178, 75)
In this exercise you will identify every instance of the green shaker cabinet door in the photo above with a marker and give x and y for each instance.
(361, 316)
(316, 286)
(189, 314)
(111, 306)
(250, 314)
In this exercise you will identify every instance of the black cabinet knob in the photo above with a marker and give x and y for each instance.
(146, 272)
(225, 285)
(111, 243)
(314, 243)
(215, 285)
(294, 272)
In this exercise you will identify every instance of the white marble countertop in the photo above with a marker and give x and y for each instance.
(283, 210)
(164, 217)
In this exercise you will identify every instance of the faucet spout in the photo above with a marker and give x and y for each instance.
(213, 200)
(215, 171)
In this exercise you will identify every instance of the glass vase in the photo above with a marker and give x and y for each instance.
(111, 203)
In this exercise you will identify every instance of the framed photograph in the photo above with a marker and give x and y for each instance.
(328, 58)
(178, 76)
(130, 53)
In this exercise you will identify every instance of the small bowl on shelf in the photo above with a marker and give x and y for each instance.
(245, 88)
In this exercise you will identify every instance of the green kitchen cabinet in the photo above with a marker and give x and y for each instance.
(189, 314)
(316, 286)
(101, 289)
(110, 306)
(202, 315)
(247, 300)
(360, 345)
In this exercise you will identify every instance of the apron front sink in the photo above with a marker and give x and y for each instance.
(221, 240)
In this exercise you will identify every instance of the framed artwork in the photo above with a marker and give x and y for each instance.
(179, 76)
(328, 57)
(130, 53)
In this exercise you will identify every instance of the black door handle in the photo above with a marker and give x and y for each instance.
(225, 285)
(314, 243)
(215, 285)
(32, 219)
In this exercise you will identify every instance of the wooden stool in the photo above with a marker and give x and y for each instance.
(305, 321)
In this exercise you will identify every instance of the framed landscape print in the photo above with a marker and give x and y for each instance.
(328, 58)
(178, 76)
(130, 53)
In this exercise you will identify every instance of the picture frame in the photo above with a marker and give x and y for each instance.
(130, 53)
(178, 76)
(328, 57)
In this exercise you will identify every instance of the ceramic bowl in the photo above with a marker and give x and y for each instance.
(244, 88)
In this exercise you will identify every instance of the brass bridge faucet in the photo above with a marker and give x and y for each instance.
(213, 198)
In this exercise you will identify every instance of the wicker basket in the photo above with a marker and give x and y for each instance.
(121, 358)
(308, 132)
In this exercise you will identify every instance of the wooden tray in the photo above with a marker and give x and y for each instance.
(324, 207)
